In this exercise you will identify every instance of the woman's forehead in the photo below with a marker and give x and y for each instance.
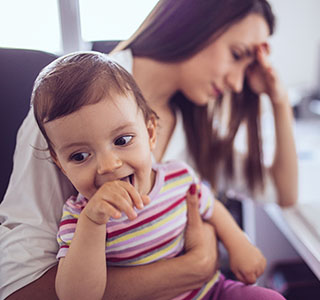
(251, 30)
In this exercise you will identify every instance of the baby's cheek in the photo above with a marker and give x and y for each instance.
(85, 185)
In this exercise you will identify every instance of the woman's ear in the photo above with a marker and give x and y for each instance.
(152, 131)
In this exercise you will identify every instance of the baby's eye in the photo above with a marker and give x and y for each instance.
(79, 157)
(123, 140)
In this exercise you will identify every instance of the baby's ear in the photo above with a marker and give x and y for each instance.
(56, 161)
(152, 131)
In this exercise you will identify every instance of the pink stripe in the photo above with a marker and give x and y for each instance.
(146, 213)
(135, 249)
(171, 224)
(146, 220)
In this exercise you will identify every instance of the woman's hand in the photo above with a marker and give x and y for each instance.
(263, 78)
(200, 238)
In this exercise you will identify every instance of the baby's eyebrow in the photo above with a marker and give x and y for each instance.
(67, 146)
(125, 126)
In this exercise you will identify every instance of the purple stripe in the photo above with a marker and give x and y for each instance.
(151, 233)
(168, 254)
(66, 231)
(160, 239)
(142, 215)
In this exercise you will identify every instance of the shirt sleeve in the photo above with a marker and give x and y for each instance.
(206, 201)
(30, 211)
(68, 223)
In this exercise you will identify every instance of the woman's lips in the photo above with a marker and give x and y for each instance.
(216, 92)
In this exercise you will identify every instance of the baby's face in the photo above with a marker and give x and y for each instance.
(104, 142)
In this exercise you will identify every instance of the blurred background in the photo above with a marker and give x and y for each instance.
(63, 26)
(38, 24)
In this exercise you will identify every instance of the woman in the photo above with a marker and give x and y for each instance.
(184, 57)
(206, 72)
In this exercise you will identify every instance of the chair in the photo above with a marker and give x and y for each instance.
(19, 68)
(104, 46)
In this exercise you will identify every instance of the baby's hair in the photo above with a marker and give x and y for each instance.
(79, 79)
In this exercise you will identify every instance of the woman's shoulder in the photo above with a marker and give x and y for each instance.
(124, 58)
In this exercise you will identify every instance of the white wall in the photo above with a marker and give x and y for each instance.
(295, 44)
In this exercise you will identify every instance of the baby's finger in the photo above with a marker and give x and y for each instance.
(261, 268)
(117, 195)
(240, 277)
(136, 198)
(249, 277)
(145, 199)
(113, 212)
(123, 203)
(100, 212)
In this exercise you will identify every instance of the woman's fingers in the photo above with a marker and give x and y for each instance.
(193, 205)
(263, 51)
(266, 48)
(200, 237)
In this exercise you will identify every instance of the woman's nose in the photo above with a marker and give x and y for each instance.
(108, 162)
(235, 80)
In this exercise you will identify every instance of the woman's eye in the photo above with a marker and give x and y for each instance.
(79, 157)
(236, 55)
(123, 140)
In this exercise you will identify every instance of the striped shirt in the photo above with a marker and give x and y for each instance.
(157, 232)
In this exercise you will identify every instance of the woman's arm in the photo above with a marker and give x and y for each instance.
(166, 279)
(161, 280)
(42, 288)
(284, 169)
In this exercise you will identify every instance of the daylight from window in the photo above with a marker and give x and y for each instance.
(32, 24)
(112, 20)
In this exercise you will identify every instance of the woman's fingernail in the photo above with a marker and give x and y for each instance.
(192, 189)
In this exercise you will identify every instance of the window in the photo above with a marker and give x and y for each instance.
(32, 24)
(112, 20)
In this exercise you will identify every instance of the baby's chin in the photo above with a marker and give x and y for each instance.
(88, 194)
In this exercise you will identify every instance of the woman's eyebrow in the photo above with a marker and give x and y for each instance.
(250, 52)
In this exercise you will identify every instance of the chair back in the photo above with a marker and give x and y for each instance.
(18, 70)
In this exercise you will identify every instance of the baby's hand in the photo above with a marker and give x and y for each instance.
(247, 263)
(113, 198)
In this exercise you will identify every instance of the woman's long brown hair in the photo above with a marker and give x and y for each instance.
(174, 31)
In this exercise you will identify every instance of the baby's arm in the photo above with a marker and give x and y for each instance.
(246, 261)
(82, 274)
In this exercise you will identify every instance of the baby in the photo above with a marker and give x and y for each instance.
(129, 211)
